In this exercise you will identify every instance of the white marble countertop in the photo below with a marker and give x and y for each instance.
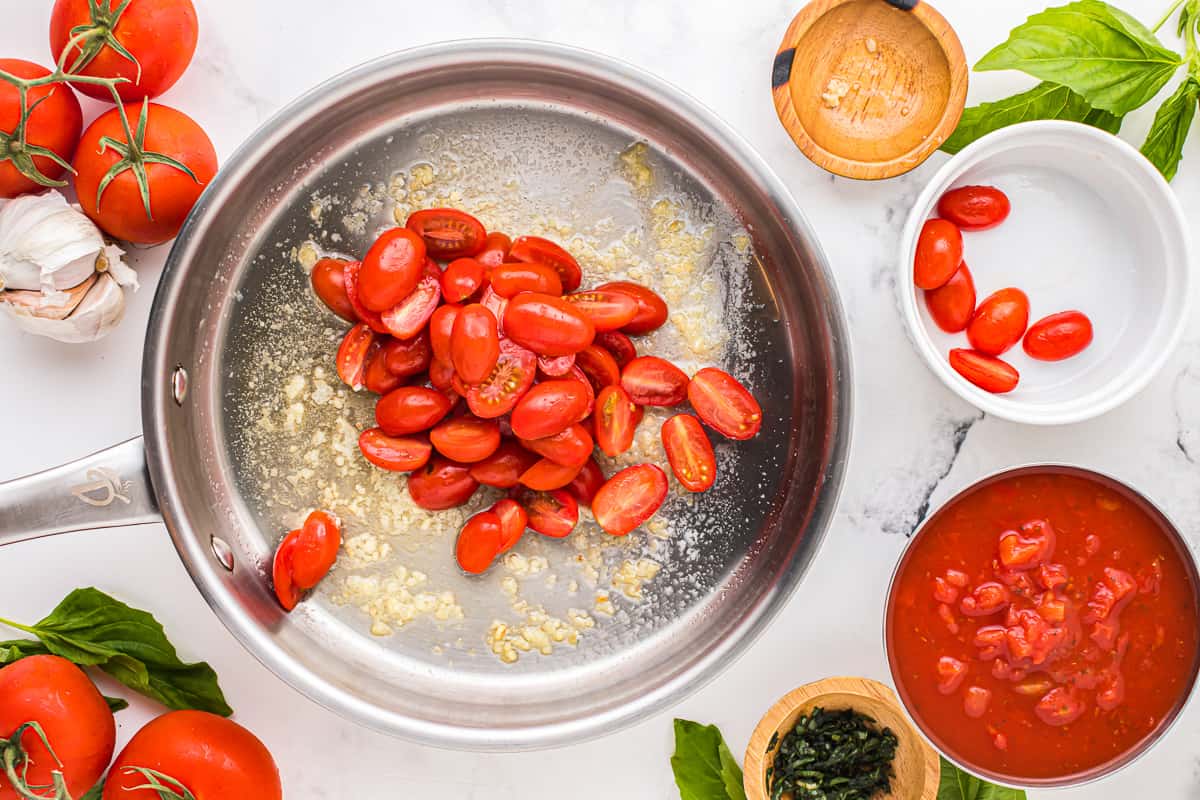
(915, 443)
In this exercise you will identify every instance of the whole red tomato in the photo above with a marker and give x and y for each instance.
(54, 124)
(939, 252)
(213, 758)
(999, 322)
(158, 38)
(159, 132)
(58, 696)
(1058, 336)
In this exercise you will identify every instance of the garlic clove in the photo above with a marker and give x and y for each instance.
(54, 305)
(92, 310)
(49, 245)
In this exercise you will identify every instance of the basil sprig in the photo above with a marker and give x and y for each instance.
(1097, 64)
(91, 629)
(703, 766)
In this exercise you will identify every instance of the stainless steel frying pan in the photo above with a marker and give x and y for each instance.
(554, 119)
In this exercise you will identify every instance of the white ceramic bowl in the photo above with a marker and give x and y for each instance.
(1093, 227)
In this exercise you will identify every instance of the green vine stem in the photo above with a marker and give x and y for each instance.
(13, 756)
(98, 34)
(165, 786)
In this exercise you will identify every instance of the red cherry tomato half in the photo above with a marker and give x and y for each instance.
(495, 304)
(1058, 336)
(544, 251)
(408, 318)
(462, 278)
(328, 278)
(689, 452)
(939, 252)
(410, 409)
(999, 322)
(652, 381)
(555, 367)
(953, 303)
(504, 467)
(441, 484)
(497, 394)
(615, 424)
(974, 208)
(286, 590)
(652, 310)
(988, 373)
(589, 480)
(447, 232)
(441, 376)
(466, 439)
(407, 357)
(570, 448)
(513, 521)
(629, 498)
(495, 250)
(608, 309)
(509, 280)
(479, 542)
(371, 318)
(546, 475)
(576, 374)
(305, 556)
(599, 366)
(619, 345)
(394, 453)
(549, 408)
(474, 343)
(724, 404)
(354, 355)
(554, 513)
(547, 325)
(441, 329)
(378, 378)
(391, 269)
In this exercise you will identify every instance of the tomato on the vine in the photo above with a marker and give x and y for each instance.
(53, 126)
(448, 232)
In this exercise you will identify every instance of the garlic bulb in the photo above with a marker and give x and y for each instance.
(58, 278)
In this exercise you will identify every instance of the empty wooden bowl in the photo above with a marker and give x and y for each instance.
(916, 764)
(869, 89)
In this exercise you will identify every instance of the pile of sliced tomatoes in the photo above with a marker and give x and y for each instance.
(496, 369)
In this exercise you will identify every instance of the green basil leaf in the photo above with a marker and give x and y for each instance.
(703, 766)
(20, 648)
(1164, 143)
(92, 629)
(1044, 101)
(116, 704)
(958, 785)
(1100, 52)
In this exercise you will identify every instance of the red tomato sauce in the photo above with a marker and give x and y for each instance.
(1043, 625)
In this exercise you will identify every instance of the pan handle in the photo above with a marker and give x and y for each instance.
(103, 490)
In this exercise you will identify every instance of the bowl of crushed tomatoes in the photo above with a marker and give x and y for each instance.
(1042, 626)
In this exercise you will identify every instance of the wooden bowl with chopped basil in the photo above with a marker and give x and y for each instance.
(840, 737)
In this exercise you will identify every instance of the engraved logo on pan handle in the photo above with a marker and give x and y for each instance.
(103, 488)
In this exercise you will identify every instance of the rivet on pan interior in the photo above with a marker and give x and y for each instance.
(223, 552)
(179, 385)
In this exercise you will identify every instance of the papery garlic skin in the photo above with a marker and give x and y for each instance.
(100, 310)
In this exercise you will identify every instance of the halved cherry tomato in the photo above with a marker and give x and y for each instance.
(509, 280)
(939, 252)
(599, 366)
(441, 484)
(391, 269)
(555, 367)
(589, 480)
(629, 498)
(546, 475)
(724, 404)
(554, 513)
(354, 355)
(474, 343)
(513, 521)
(496, 395)
(305, 556)
(974, 208)
(652, 381)
(576, 374)
(690, 453)
(544, 251)
(547, 325)
(614, 418)
(571, 448)
(448, 233)
(999, 322)
(953, 303)
(549, 408)
(608, 309)
(652, 310)
(407, 357)
(619, 345)
(371, 318)
(479, 542)
(410, 409)
(408, 317)
(495, 304)
(441, 329)
(378, 378)
(504, 467)
(462, 278)
(394, 453)
(441, 376)
(1058, 336)
(466, 439)
(328, 278)
(495, 250)
(988, 373)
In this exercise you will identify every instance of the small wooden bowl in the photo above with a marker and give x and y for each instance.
(917, 766)
(869, 89)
